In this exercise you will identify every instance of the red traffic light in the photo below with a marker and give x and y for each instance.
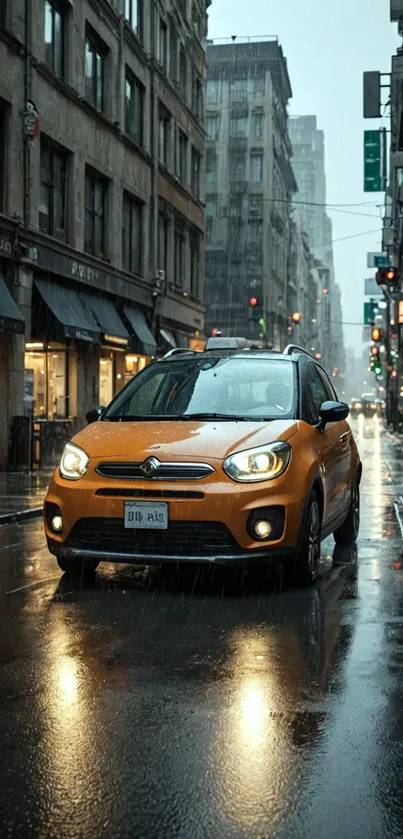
(252, 301)
(376, 334)
(386, 276)
(374, 350)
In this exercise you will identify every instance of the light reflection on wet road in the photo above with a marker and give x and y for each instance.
(137, 707)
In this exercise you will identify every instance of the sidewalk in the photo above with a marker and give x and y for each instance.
(22, 495)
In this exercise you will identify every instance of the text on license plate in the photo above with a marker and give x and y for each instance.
(145, 515)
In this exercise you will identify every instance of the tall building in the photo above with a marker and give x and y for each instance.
(308, 144)
(101, 202)
(249, 187)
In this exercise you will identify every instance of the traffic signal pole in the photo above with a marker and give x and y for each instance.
(389, 400)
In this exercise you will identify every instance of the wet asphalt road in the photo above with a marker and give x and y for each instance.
(135, 707)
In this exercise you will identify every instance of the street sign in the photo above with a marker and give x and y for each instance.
(369, 313)
(377, 260)
(371, 288)
(372, 161)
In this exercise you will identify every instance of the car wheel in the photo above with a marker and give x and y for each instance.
(76, 567)
(307, 557)
(347, 534)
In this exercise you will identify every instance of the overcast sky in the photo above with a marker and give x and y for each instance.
(328, 45)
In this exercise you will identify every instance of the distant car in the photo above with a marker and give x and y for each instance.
(227, 456)
(369, 407)
(355, 406)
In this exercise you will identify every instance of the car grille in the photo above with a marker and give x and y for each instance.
(184, 538)
(164, 472)
(148, 493)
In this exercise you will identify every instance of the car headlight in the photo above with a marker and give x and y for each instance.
(74, 462)
(261, 464)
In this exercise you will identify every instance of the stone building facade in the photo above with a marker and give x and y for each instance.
(101, 203)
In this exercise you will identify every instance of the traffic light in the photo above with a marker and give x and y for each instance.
(374, 350)
(376, 366)
(387, 276)
(376, 334)
(252, 302)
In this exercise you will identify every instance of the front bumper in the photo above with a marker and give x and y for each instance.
(242, 559)
(211, 527)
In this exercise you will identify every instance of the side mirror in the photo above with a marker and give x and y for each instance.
(332, 412)
(94, 414)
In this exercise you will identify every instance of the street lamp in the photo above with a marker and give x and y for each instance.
(296, 317)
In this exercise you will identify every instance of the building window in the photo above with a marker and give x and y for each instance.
(54, 36)
(183, 157)
(211, 166)
(164, 126)
(183, 73)
(95, 53)
(256, 207)
(194, 266)
(95, 214)
(239, 90)
(197, 96)
(197, 21)
(213, 92)
(239, 126)
(211, 206)
(256, 168)
(196, 166)
(255, 232)
(179, 255)
(162, 44)
(257, 126)
(235, 207)
(3, 12)
(133, 10)
(212, 126)
(209, 231)
(52, 202)
(3, 117)
(238, 166)
(45, 381)
(163, 233)
(132, 234)
(134, 108)
(173, 55)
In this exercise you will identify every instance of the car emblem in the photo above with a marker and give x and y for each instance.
(149, 466)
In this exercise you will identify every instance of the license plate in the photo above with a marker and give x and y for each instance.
(144, 515)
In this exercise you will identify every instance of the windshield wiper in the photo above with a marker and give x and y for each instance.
(208, 416)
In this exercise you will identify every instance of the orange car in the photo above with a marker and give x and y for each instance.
(229, 456)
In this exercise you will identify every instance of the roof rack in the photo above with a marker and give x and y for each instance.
(294, 348)
(176, 351)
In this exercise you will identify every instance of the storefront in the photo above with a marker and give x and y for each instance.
(143, 347)
(12, 327)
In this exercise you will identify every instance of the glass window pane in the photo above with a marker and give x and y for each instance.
(58, 44)
(89, 231)
(99, 197)
(99, 82)
(99, 235)
(89, 71)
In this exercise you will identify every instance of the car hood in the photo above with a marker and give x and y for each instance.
(196, 440)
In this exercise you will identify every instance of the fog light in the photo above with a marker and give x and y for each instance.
(262, 529)
(56, 524)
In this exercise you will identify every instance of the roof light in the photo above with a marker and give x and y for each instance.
(226, 344)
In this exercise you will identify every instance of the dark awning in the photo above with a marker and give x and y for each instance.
(139, 325)
(11, 319)
(75, 318)
(168, 339)
(110, 324)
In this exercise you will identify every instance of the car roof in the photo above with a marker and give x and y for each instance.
(291, 353)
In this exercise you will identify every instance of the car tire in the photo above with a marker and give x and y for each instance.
(307, 555)
(76, 567)
(347, 534)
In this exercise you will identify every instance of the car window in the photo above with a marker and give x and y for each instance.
(313, 394)
(331, 393)
(246, 387)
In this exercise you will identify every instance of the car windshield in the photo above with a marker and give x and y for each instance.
(209, 388)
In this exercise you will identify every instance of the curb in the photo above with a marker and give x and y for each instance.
(21, 515)
(394, 437)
